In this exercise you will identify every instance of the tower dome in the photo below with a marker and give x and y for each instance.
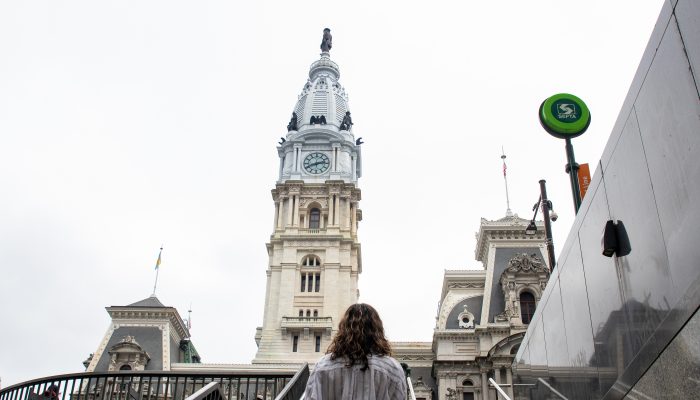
(322, 96)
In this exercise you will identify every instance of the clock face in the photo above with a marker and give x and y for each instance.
(316, 163)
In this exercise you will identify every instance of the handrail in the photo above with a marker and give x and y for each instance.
(500, 391)
(210, 392)
(296, 387)
(561, 396)
(145, 385)
(410, 388)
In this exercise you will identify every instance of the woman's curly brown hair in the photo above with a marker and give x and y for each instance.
(360, 334)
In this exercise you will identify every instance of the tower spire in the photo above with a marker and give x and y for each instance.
(509, 213)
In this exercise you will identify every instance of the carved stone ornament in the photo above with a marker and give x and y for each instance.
(527, 263)
(506, 314)
(127, 354)
(466, 285)
(422, 390)
(466, 319)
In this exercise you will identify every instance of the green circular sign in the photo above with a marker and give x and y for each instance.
(564, 116)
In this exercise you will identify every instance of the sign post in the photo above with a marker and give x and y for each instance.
(565, 116)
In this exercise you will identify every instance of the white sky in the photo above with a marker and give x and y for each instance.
(125, 125)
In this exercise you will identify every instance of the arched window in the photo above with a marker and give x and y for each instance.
(125, 367)
(315, 313)
(311, 261)
(468, 390)
(301, 313)
(315, 218)
(527, 307)
(308, 313)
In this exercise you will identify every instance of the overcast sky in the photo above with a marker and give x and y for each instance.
(125, 125)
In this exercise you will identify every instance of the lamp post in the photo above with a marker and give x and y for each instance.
(532, 228)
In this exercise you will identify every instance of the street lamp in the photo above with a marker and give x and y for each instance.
(532, 228)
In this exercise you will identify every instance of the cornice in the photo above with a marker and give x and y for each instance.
(122, 314)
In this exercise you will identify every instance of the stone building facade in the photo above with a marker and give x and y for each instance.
(482, 316)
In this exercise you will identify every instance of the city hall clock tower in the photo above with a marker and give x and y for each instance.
(314, 254)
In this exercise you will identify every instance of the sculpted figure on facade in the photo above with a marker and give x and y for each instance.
(327, 41)
(347, 122)
(292, 125)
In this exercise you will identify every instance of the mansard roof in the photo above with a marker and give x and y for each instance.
(151, 302)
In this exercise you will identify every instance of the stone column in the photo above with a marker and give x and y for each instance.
(336, 210)
(280, 217)
(333, 151)
(295, 151)
(353, 217)
(296, 210)
(277, 215)
(353, 162)
(348, 213)
(290, 210)
(331, 209)
(509, 381)
(484, 386)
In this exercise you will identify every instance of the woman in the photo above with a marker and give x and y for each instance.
(358, 365)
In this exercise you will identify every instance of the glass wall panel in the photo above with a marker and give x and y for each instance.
(644, 276)
(577, 324)
(667, 110)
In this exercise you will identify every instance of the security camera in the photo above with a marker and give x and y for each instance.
(554, 216)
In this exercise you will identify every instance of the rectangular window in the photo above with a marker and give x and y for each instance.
(303, 282)
(295, 344)
(318, 344)
(311, 283)
(318, 282)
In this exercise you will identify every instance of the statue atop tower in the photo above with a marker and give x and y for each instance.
(327, 41)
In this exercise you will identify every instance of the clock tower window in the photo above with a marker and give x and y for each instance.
(311, 261)
(311, 282)
(315, 218)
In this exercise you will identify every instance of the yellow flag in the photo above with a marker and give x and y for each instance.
(158, 262)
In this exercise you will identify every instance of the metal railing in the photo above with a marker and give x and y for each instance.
(498, 388)
(411, 393)
(144, 385)
(210, 392)
(296, 387)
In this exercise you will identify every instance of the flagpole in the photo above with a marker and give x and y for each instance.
(157, 271)
(509, 213)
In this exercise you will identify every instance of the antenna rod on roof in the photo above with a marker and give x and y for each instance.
(189, 318)
(509, 213)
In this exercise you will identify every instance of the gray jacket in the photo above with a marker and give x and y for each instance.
(332, 380)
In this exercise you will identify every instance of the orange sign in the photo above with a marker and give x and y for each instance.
(584, 179)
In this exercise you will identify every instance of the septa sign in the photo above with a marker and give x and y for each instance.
(564, 116)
